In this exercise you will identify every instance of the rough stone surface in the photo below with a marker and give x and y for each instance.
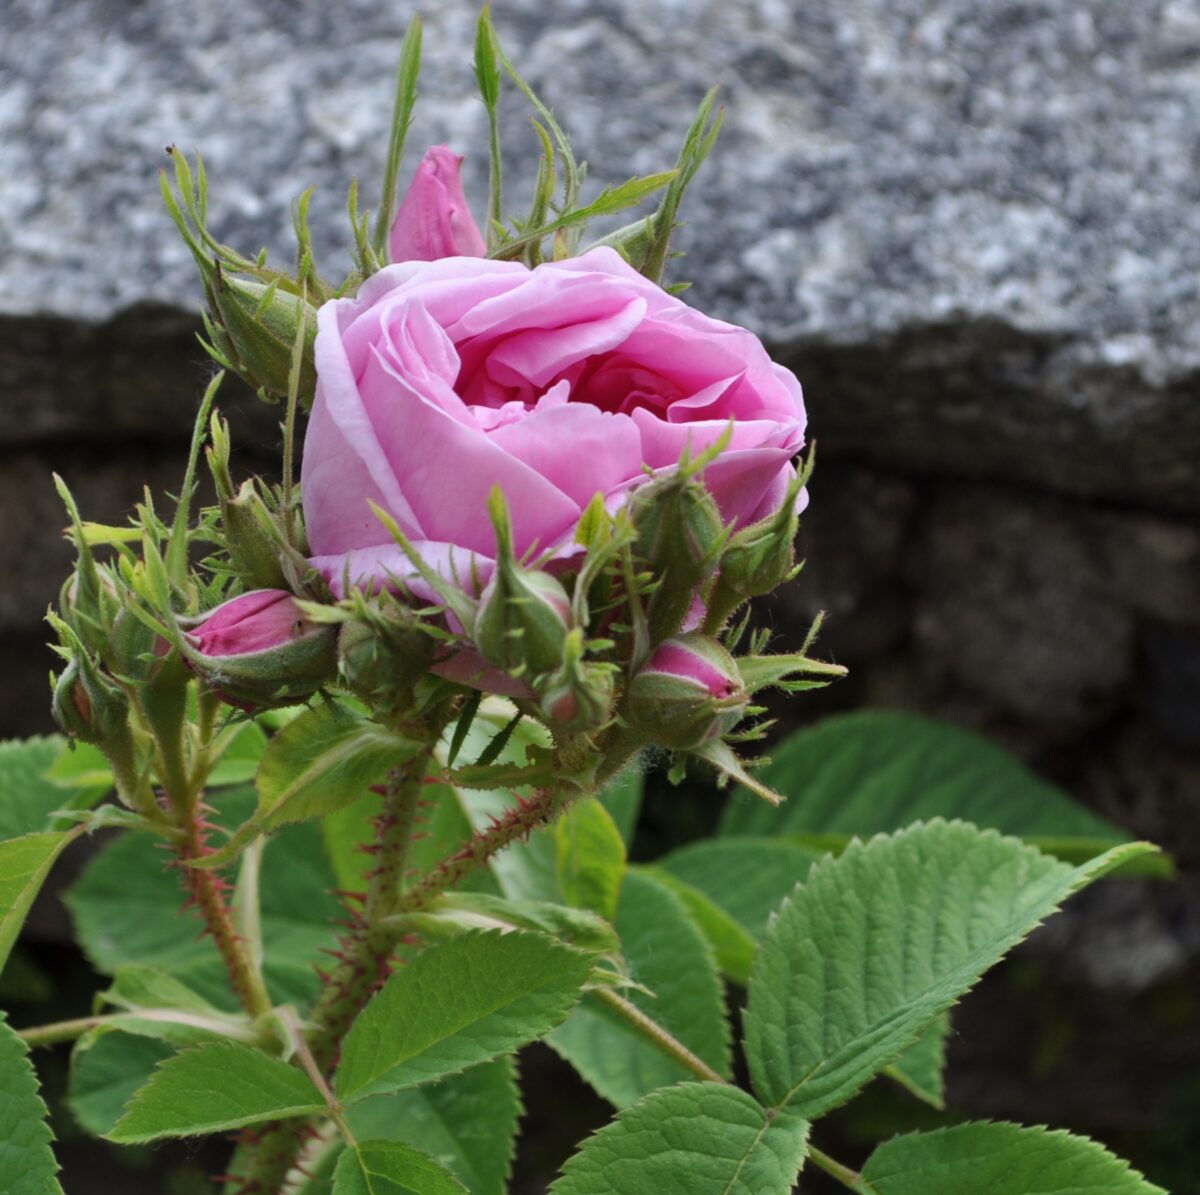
(973, 224)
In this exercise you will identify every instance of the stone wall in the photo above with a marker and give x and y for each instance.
(971, 226)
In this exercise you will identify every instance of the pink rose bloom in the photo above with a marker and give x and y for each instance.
(434, 220)
(443, 379)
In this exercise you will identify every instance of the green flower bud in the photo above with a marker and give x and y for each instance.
(88, 705)
(679, 533)
(253, 539)
(524, 614)
(259, 650)
(258, 325)
(688, 693)
(577, 696)
(381, 659)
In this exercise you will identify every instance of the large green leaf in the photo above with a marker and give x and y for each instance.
(322, 761)
(693, 1139)
(590, 856)
(392, 1168)
(213, 1087)
(880, 770)
(921, 1069)
(27, 1165)
(107, 1067)
(876, 944)
(27, 796)
(24, 865)
(128, 908)
(456, 1004)
(731, 886)
(999, 1159)
(467, 1122)
(667, 955)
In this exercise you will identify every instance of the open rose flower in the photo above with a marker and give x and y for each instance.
(442, 379)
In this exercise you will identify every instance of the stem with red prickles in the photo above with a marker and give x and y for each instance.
(518, 822)
(262, 1165)
(206, 889)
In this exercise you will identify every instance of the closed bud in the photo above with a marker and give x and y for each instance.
(679, 533)
(524, 614)
(434, 220)
(757, 559)
(382, 658)
(88, 705)
(688, 693)
(252, 538)
(260, 650)
(577, 696)
(135, 650)
(259, 324)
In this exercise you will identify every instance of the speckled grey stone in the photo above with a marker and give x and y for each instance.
(971, 225)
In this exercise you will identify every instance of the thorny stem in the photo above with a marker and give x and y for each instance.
(262, 1165)
(517, 822)
(206, 889)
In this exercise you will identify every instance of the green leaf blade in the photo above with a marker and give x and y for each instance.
(877, 771)
(27, 1165)
(467, 1122)
(999, 1159)
(392, 1168)
(25, 863)
(457, 1004)
(692, 1139)
(590, 855)
(668, 955)
(876, 944)
(214, 1087)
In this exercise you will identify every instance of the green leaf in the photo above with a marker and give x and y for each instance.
(921, 1068)
(323, 761)
(392, 1168)
(107, 1067)
(667, 955)
(24, 864)
(240, 759)
(876, 944)
(999, 1159)
(27, 1165)
(731, 886)
(467, 1122)
(693, 1139)
(457, 1004)
(79, 765)
(623, 800)
(28, 796)
(591, 858)
(127, 907)
(877, 771)
(213, 1087)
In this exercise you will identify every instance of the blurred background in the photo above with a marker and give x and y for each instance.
(972, 227)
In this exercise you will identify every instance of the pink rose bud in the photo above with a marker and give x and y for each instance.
(259, 649)
(689, 692)
(434, 221)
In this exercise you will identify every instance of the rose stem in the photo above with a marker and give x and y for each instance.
(262, 1165)
(674, 1048)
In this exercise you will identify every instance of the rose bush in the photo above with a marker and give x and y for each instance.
(443, 379)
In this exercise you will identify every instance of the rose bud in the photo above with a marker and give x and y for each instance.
(688, 692)
(434, 220)
(259, 650)
(383, 659)
(679, 532)
(757, 559)
(524, 614)
(577, 696)
(258, 325)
